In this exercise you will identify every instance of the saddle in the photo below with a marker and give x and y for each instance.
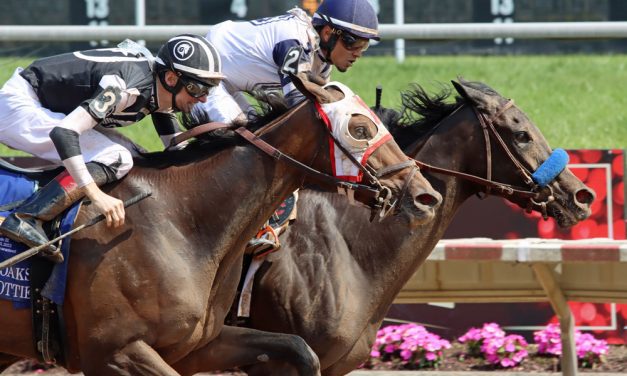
(17, 184)
(284, 214)
(40, 176)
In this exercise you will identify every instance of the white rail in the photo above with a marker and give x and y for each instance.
(446, 31)
(483, 270)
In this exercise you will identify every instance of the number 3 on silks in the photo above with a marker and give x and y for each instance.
(104, 104)
(292, 58)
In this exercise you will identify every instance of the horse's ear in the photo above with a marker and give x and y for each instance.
(310, 89)
(469, 93)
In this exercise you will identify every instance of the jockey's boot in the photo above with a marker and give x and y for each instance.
(265, 242)
(25, 223)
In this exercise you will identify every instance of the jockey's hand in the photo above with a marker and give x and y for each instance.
(110, 207)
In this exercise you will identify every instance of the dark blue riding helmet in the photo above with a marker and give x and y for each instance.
(354, 16)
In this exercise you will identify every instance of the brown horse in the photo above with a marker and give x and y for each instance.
(337, 274)
(145, 296)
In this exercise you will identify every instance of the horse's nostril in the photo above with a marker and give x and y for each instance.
(584, 196)
(427, 200)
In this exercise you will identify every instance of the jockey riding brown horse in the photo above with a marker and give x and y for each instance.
(146, 296)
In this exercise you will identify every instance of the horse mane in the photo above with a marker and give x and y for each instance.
(419, 114)
(269, 107)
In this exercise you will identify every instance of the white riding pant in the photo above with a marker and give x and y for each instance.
(224, 107)
(25, 125)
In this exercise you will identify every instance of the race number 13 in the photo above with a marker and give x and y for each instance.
(97, 12)
(503, 12)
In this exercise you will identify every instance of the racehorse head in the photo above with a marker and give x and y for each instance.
(512, 139)
(363, 151)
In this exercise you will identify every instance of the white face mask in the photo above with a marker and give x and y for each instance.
(339, 114)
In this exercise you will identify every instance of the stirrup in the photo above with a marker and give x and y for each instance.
(265, 242)
(13, 228)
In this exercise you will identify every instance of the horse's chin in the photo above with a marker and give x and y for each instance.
(417, 214)
(567, 216)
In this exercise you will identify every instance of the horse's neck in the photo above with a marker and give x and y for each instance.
(226, 197)
(457, 144)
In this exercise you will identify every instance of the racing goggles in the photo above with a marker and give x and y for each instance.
(197, 89)
(353, 43)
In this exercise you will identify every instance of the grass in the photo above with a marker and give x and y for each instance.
(577, 101)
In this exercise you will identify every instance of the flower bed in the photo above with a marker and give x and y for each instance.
(411, 346)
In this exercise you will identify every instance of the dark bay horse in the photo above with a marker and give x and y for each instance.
(337, 274)
(143, 297)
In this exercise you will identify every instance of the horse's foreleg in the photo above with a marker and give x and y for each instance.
(255, 351)
(136, 358)
(353, 358)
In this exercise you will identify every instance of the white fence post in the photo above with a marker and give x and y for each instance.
(399, 19)
(140, 16)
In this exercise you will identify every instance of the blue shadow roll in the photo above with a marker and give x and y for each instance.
(552, 167)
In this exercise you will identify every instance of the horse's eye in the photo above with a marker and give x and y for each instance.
(522, 137)
(359, 132)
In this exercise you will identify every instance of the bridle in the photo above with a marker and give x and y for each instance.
(533, 194)
(378, 196)
(385, 205)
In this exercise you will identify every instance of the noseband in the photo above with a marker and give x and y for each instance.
(536, 196)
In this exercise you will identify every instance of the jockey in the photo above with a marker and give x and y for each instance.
(256, 54)
(51, 109)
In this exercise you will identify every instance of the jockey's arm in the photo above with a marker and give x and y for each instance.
(167, 126)
(221, 107)
(293, 58)
(65, 138)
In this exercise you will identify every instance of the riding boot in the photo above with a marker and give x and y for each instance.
(25, 224)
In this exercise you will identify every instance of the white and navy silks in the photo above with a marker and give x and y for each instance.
(47, 106)
(253, 53)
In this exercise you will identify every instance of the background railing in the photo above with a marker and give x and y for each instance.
(398, 32)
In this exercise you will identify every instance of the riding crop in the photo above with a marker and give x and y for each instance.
(35, 250)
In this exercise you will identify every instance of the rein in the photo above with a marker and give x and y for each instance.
(196, 131)
(378, 197)
(487, 126)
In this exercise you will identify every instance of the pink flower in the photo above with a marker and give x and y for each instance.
(491, 343)
(589, 349)
(409, 345)
(389, 348)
